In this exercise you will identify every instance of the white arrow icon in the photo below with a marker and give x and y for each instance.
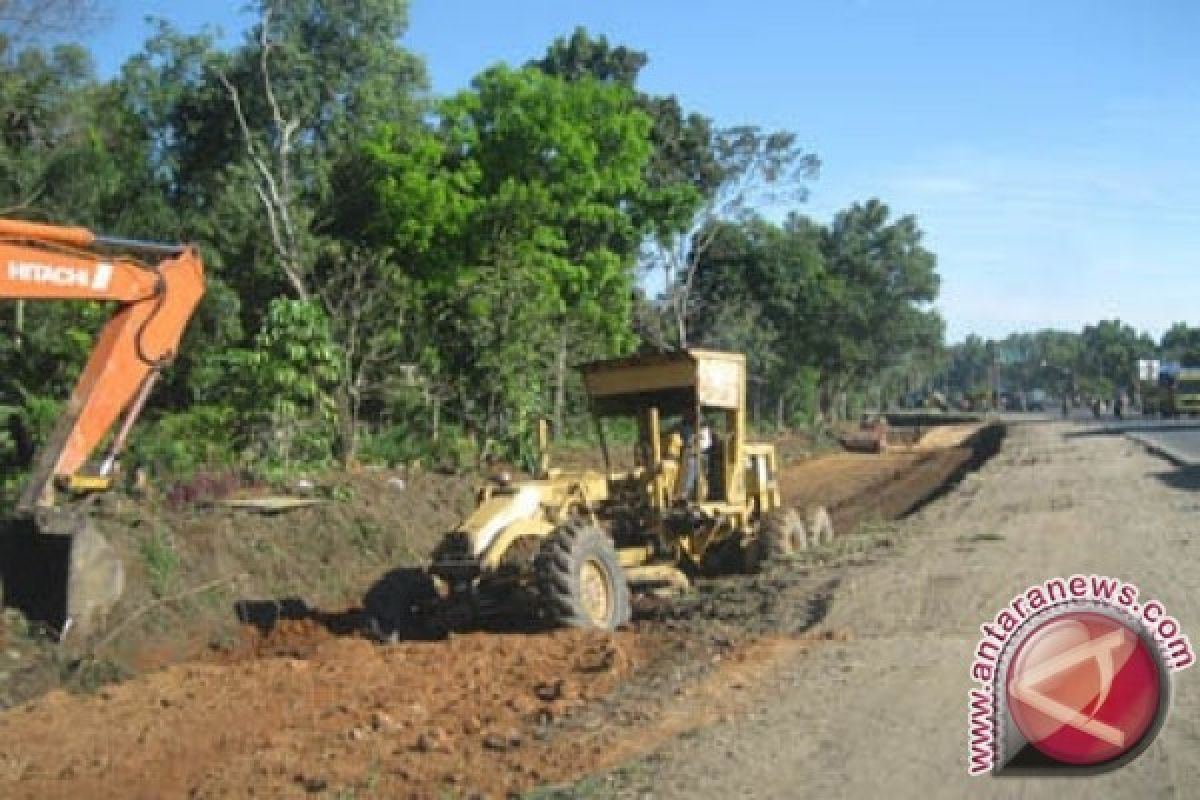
(1023, 687)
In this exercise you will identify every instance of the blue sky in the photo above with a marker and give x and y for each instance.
(1049, 149)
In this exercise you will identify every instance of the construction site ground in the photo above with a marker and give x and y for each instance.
(878, 708)
(746, 674)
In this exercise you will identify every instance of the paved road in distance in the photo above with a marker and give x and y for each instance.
(1177, 439)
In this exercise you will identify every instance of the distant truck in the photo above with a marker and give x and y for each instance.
(1037, 400)
(1156, 380)
(1182, 396)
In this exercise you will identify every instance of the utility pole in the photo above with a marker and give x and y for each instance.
(995, 377)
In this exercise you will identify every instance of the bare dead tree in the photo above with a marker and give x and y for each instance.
(271, 155)
(757, 170)
(679, 256)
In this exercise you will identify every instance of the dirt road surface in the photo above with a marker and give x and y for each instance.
(883, 714)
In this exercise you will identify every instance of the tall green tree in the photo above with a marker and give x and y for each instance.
(684, 169)
(1111, 350)
(884, 283)
(759, 288)
(840, 308)
(309, 79)
(526, 186)
(1181, 342)
(254, 145)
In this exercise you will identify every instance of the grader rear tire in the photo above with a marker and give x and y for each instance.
(580, 579)
(781, 535)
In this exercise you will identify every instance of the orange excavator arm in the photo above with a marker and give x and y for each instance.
(155, 302)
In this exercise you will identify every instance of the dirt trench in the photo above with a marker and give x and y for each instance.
(305, 706)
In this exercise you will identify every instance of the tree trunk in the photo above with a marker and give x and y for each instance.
(347, 426)
(560, 387)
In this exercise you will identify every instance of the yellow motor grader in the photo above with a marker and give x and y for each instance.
(682, 493)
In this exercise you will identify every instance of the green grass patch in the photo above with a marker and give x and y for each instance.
(161, 562)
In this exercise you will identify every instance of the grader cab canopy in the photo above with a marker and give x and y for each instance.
(673, 383)
(704, 391)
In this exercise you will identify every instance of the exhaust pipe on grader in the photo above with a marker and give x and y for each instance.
(682, 493)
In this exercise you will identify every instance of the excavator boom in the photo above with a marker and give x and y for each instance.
(154, 298)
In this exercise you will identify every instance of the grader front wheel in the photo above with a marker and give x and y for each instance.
(819, 525)
(580, 579)
(782, 534)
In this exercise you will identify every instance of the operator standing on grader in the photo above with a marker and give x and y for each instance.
(690, 444)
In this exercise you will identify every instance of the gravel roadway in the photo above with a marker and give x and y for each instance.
(884, 712)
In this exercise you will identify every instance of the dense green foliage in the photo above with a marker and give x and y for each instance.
(1101, 359)
(396, 276)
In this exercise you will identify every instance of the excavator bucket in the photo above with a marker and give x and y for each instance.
(95, 581)
(61, 572)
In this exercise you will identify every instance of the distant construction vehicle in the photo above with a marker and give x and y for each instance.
(1155, 381)
(156, 289)
(1182, 395)
(689, 497)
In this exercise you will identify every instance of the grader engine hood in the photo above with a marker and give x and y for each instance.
(530, 508)
(498, 512)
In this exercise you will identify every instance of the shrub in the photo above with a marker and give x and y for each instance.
(286, 379)
(178, 445)
(395, 445)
